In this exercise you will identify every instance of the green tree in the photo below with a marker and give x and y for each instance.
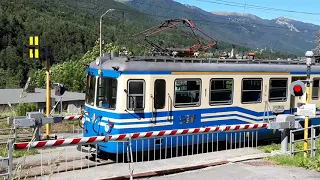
(72, 74)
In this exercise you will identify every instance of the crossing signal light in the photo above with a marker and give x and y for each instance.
(297, 88)
(59, 90)
(34, 47)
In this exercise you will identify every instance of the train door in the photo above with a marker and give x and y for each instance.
(295, 100)
(158, 98)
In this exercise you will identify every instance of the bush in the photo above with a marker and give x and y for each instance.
(23, 108)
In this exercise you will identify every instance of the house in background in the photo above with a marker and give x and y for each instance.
(72, 102)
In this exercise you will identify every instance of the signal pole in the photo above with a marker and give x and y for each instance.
(309, 55)
(48, 92)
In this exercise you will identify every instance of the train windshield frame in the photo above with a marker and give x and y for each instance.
(90, 89)
(107, 93)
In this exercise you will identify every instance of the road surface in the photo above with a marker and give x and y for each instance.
(258, 170)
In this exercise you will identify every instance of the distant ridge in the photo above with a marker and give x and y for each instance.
(224, 13)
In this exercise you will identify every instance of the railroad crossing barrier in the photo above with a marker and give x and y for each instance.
(73, 117)
(283, 123)
(237, 136)
(36, 120)
(143, 135)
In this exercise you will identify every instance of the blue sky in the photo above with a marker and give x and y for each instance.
(310, 6)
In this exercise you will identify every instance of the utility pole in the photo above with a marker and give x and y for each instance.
(99, 71)
(309, 55)
(109, 10)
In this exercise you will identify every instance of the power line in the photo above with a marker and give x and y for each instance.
(230, 3)
(206, 22)
(190, 12)
(208, 16)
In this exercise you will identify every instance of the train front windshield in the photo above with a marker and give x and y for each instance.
(106, 93)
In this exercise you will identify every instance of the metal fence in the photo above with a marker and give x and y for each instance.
(313, 137)
(51, 159)
(6, 162)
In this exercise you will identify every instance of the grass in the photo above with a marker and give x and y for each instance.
(16, 154)
(64, 126)
(298, 159)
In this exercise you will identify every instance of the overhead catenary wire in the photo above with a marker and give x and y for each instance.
(262, 28)
(231, 3)
(200, 21)
(209, 15)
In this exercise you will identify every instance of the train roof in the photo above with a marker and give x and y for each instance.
(177, 64)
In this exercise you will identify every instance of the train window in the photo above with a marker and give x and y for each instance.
(107, 94)
(90, 89)
(278, 90)
(315, 89)
(187, 92)
(135, 98)
(221, 91)
(251, 90)
(159, 93)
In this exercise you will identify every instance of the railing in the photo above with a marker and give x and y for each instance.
(214, 60)
(60, 156)
(312, 139)
(8, 172)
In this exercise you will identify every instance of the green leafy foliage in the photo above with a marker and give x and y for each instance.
(23, 108)
(72, 74)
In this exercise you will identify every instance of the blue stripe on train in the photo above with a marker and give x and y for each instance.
(95, 129)
(176, 112)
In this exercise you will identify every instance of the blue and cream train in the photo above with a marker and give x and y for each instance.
(140, 94)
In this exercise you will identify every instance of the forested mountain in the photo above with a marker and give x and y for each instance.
(69, 29)
(281, 34)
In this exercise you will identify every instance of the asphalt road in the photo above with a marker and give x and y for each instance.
(243, 171)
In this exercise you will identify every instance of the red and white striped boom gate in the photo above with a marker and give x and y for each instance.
(73, 117)
(142, 135)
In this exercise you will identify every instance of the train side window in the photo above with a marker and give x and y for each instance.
(315, 89)
(221, 91)
(90, 89)
(107, 93)
(278, 90)
(187, 92)
(251, 91)
(136, 94)
(159, 93)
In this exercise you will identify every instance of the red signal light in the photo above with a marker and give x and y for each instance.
(297, 88)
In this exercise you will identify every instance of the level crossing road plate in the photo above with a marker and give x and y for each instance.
(307, 110)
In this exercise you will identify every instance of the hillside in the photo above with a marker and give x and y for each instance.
(243, 29)
(71, 28)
